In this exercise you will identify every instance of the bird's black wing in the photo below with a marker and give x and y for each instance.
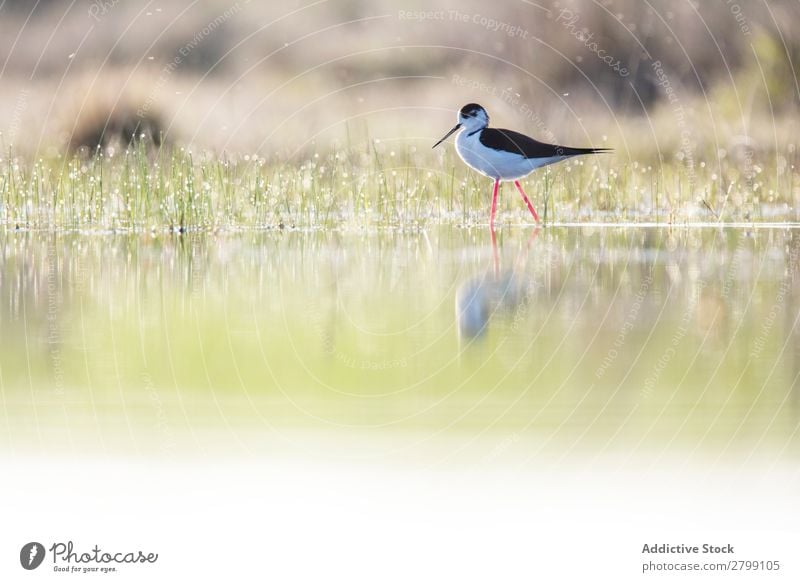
(511, 141)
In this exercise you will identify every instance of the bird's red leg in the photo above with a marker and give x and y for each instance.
(528, 202)
(495, 254)
(494, 203)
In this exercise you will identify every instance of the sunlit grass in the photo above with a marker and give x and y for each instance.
(374, 185)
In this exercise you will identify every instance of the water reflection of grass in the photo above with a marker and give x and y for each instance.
(337, 330)
(376, 186)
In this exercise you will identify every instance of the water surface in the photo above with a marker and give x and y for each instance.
(636, 340)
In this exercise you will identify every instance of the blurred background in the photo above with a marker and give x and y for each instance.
(679, 78)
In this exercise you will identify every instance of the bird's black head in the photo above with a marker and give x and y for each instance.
(471, 110)
(472, 117)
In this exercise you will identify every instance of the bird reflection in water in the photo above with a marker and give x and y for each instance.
(497, 290)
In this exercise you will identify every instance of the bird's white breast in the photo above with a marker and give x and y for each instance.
(493, 163)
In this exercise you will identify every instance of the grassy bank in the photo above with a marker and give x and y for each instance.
(377, 185)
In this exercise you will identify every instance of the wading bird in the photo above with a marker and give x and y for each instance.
(481, 297)
(502, 154)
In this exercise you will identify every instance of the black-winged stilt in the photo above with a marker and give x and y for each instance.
(502, 154)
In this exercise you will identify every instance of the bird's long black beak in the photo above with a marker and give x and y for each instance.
(448, 134)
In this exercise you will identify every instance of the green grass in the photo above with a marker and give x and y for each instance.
(175, 189)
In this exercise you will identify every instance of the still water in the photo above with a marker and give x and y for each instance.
(653, 341)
